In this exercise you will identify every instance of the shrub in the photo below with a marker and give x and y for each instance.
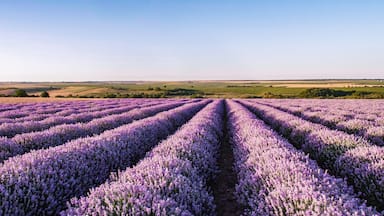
(44, 94)
(20, 93)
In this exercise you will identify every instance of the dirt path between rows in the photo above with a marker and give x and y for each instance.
(224, 185)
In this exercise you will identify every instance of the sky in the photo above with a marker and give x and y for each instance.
(92, 40)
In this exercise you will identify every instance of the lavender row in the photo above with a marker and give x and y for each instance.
(76, 115)
(364, 167)
(335, 111)
(41, 182)
(330, 149)
(369, 129)
(316, 113)
(63, 111)
(31, 106)
(7, 107)
(24, 110)
(18, 114)
(171, 180)
(58, 135)
(325, 145)
(276, 179)
(71, 108)
(18, 111)
(12, 129)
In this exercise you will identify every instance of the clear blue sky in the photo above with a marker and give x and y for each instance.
(79, 40)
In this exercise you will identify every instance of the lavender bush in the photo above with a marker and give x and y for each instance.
(171, 180)
(331, 149)
(40, 182)
(11, 129)
(276, 179)
(364, 167)
(60, 134)
(360, 117)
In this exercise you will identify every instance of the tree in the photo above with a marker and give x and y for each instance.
(44, 94)
(21, 93)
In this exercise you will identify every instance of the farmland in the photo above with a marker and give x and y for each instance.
(201, 89)
(192, 157)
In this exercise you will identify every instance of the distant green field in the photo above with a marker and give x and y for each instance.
(205, 89)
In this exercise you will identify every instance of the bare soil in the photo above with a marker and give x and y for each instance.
(224, 185)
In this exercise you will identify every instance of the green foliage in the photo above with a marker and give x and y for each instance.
(182, 92)
(367, 95)
(110, 95)
(20, 93)
(44, 94)
(119, 88)
(324, 93)
(271, 95)
(197, 96)
(333, 93)
(238, 86)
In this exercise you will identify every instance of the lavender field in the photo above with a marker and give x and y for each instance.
(192, 157)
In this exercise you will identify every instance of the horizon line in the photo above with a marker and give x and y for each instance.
(197, 80)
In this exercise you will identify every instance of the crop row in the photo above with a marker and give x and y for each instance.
(368, 126)
(276, 179)
(11, 129)
(41, 182)
(23, 110)
(58, 135)
(19, 113)
(336, 110)
(159, 157)
(38, 111)
(62, 111)
(171, 180)
(334, 150)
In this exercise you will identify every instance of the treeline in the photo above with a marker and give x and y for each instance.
(334, 93)
(158, 94)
